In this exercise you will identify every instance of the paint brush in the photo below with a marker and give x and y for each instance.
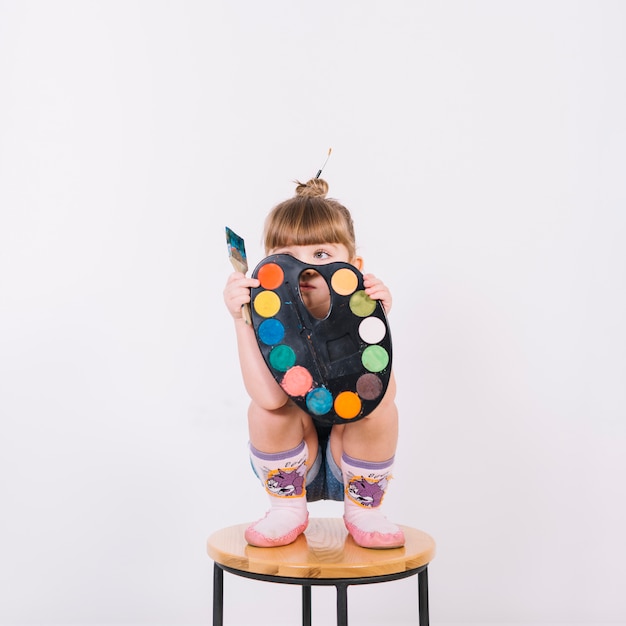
(319, 172)
(239, 260)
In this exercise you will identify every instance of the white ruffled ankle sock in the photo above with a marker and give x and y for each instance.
(365, 486)
(284, 476)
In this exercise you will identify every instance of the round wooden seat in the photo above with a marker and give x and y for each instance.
(324, 555)
(325, 550)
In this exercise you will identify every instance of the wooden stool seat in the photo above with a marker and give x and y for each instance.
(324, 555)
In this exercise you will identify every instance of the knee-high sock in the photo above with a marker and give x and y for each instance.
(365, 486)
(284, 477)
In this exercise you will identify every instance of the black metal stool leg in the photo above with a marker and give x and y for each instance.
(342, 605)
(422, 582)
(306, 605)
(218, 595)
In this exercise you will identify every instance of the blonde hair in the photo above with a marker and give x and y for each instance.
(309, 218)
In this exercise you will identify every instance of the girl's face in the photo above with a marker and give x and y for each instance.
(313, 287)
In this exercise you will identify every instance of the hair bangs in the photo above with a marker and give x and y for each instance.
(306, 223)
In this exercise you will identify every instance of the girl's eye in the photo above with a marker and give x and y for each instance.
(321, 254)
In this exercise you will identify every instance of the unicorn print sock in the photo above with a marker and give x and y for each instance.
(283, 475)
(365, 486)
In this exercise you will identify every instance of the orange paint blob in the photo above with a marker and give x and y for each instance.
(347, 405)
(344, 281)
(271, 276)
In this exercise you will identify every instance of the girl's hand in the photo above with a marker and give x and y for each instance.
(377, 290)
(237, 293)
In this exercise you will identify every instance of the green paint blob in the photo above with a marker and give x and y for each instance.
(375, 358)
(361, 304)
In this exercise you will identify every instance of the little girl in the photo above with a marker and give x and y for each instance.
(337, 463)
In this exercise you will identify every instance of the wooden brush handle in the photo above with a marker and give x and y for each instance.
(243, 268)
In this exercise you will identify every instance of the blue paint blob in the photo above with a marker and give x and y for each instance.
(271, 332)
(319, 401)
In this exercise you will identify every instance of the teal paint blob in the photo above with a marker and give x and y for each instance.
(282, 358)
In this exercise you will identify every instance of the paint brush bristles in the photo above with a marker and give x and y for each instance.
(319, 172)
(236, 251)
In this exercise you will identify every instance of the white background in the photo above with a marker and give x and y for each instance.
(481, 147)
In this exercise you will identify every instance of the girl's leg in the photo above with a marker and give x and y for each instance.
(365, 452)
(282, 445)
(280, 429)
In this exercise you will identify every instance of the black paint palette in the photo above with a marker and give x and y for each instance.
(337, 368)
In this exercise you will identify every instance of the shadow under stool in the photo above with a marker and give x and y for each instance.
(324, 555)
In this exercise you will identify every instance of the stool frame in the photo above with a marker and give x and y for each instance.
(341, 585)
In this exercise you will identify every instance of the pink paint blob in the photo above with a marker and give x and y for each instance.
(297, 381)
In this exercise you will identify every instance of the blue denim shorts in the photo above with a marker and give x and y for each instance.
(324, 480)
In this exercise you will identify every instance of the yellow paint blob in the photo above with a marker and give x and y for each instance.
(267, 303)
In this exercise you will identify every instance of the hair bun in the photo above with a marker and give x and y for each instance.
(314, 188)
